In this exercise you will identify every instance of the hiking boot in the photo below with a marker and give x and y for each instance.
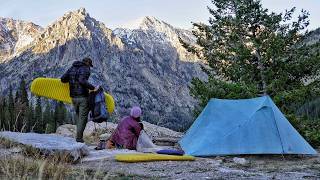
(101, 145)
(80, 140)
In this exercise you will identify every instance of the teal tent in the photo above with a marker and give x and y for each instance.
(245, 126)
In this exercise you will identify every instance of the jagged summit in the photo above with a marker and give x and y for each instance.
(78, 15)
(145, 23)
(150, 22)
(81, 11)
(74, 25)
(159, 33)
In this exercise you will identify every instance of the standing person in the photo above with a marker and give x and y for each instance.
(77, 76)
(128, 130)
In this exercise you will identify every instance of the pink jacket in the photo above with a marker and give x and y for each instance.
(127, 133)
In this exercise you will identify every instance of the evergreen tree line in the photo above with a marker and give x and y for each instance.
(18, 113)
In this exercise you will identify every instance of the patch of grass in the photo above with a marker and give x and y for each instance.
(28, 168)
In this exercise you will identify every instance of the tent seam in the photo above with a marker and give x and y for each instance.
(277, 129)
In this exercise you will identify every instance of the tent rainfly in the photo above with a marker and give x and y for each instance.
(245, 126)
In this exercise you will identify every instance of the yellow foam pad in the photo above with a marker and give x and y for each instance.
(54, 89)
(145, 157)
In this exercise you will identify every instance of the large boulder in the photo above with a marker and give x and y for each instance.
(105, 130)
(155, 131)
(48, 144)
(91, 129)
(99, 128)
(67, 130)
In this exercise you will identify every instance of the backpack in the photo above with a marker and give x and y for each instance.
(98, 110)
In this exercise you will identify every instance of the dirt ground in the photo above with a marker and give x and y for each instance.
(226, 167)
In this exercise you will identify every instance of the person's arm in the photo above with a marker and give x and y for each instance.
(141, 125)
(137, 129)
(65, 77)
(84, 74)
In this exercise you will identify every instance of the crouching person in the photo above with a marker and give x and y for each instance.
(127, 132)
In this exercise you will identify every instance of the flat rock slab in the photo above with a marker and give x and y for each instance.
(48, 144)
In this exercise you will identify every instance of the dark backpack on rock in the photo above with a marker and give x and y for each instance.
(98, 110)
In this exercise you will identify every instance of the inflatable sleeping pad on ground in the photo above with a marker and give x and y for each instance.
(54, 89)
(151, 157)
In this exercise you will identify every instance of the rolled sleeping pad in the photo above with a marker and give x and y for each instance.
(171, 152)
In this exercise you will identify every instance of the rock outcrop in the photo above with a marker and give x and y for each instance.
(48, 144)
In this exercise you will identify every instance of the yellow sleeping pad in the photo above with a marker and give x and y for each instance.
(151, 157)
(54, 89)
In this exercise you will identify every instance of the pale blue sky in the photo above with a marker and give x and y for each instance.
(115, 13)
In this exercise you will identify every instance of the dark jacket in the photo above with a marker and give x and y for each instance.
(77, 77)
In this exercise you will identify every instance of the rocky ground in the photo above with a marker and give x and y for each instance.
(103, 165)
(229, 167)
(247, 167)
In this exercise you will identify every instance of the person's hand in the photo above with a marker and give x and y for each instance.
(96, 88)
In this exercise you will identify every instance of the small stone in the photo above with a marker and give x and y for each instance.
(241, 161)
(15, 150)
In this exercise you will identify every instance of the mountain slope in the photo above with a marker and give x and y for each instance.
(144, 70)
(15, 35)
(152, 31)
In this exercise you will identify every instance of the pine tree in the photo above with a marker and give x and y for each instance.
(11, 110)
(30, 117)
(2, 108)
(23, 92)
(251, 51)
(38, 126)
(48, 119)
(53, 124)
(56, 115)
(24, 103)
(3, 114)
(7, 117)
(60, 113)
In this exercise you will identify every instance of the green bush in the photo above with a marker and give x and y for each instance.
(308, 128)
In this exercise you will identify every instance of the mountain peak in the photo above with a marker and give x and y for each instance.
(150, 22)
(150, 19)
(79, 14)
(81, 11)
(146, 22)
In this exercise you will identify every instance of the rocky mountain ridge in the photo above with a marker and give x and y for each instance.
(146, 67)
(15, 35)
